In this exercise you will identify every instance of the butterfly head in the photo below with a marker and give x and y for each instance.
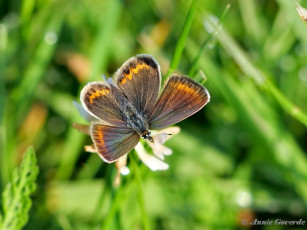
(147, 135)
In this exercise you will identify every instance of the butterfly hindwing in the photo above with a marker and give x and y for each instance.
(139, 79)
(180, 98)
(113, 142)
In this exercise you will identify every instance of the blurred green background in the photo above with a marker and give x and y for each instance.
(242, 157)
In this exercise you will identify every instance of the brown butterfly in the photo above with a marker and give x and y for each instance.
(131, 107)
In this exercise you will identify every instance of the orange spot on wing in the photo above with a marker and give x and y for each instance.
(184, 87)
(100, 137)
(132, 71)
(98, 93)
(123, 81)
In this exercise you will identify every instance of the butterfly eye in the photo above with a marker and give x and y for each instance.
(146, 135)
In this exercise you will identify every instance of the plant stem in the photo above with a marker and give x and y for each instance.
(140, 193)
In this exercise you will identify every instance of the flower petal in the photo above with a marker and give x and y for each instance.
(82, 128)
(90, 148)
(302, 12)
(152, 162)
(161, 137)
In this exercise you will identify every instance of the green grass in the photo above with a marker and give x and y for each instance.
(242, 157)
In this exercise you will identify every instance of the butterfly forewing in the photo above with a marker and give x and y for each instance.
(104, 102)
(139, 79)
(113, 142)
(180, 98)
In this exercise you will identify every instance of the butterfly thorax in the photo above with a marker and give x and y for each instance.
(137, 122)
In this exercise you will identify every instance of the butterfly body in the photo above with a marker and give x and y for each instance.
(135, 120)
(131, 107)
(138, 123)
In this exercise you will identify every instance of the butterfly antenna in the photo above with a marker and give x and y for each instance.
(151, 139)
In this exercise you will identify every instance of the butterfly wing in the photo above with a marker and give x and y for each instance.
(104, 102)
(113, 142)
(139, 79)
(180, 98)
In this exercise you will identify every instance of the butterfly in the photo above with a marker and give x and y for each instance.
(129, 107)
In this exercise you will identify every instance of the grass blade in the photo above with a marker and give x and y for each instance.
(242, 59)
(3, 46)
(182, 38)
(262, 121)
(101, 46)
(100, 49)
(205, 43)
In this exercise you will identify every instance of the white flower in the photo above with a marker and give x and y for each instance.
(302, 12)
(151, 161)
(160, 138)
(159, 150)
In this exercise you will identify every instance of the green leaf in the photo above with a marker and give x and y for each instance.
(16, 196)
